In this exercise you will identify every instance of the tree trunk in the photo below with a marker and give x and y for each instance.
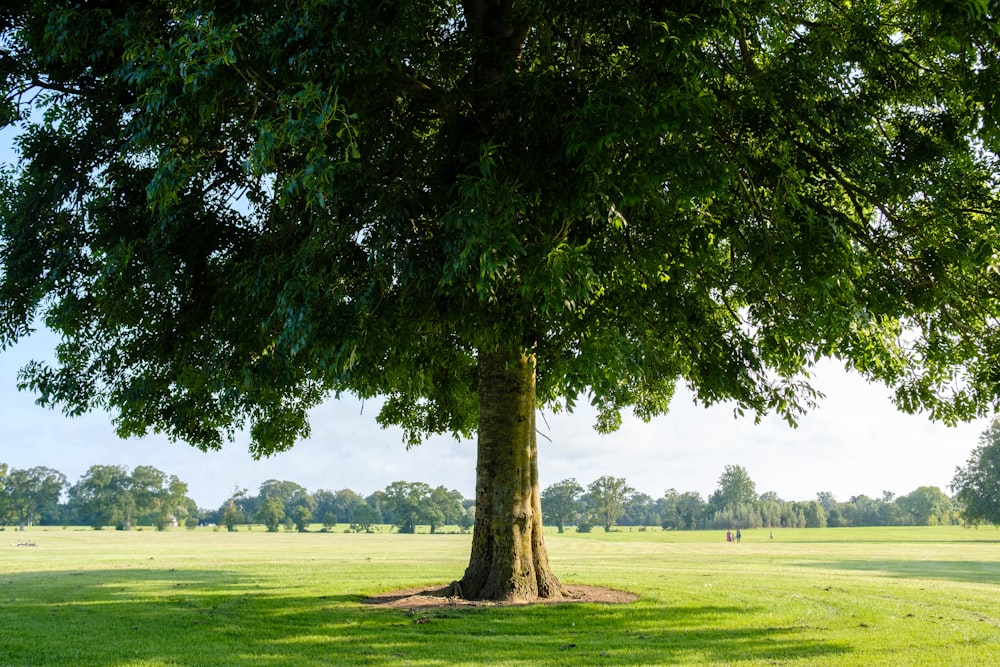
(509, 560)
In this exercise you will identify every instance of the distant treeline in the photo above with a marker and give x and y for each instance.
(609, 501)
(123, 498)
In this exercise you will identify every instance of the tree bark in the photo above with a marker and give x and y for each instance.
(509, 560)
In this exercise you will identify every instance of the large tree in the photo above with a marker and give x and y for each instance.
(231, 211)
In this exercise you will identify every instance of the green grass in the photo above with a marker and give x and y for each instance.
(896, 596)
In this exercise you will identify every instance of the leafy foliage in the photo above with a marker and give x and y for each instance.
(561, 503)
(27, 493)
(111, 495)
(735, 489)
(606, 498)
(230, 212)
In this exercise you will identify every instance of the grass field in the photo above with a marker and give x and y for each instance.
(874, 596)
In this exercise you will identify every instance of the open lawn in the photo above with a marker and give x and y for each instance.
(873, 596)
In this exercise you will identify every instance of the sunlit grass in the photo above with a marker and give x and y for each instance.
(834, 596)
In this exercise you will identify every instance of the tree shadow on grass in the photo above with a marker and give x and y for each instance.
(216, 617)
(968, 571)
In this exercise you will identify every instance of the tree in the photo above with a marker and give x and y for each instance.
(282, 502)
(364, 517)
(735, 489)
(449, 505)
(890, 513)
(300, 509)
(29, 492)
(606, 496)
(231, 514)
(834, 513)
(344, 503)
(411, 505)
(681, 510)
(925, 506)
(863, 510)
(104, 496)
(977, 485)
(271, 514)
(814, 514)
(640, 510)
(771, 507)
(326, 508)
(173, 505)
(474, 208)
(561, 502)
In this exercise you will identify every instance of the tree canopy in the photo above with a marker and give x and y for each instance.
(229, 214)
(231, 211)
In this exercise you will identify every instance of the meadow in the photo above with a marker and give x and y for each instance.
(865, 596)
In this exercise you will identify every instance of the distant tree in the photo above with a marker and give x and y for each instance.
(925, 506)
(561, 503)
(834, 510)
(283, 490)
(792, 515)
(231, 515)
(889, 511)
(735, 489)
(173, 505)
(364, 517)
(271, 513)
(468, 518)
(449, 506)
(296, 505)
(30, 492)
(378, 502)
(814, 514)
(681, 511)
(104, 496)
(607, 496)
(977, 484)
(345, 502)
(826, 500)
(640, 510)
(146, 486)
(862, 510)
(300, 508)
(411, 505)
(325, 512)
(770, 507)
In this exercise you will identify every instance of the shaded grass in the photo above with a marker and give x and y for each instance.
(861, 597)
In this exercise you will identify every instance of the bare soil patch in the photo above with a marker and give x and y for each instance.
(437, 598)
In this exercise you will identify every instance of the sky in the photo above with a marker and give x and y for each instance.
(854, 443)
